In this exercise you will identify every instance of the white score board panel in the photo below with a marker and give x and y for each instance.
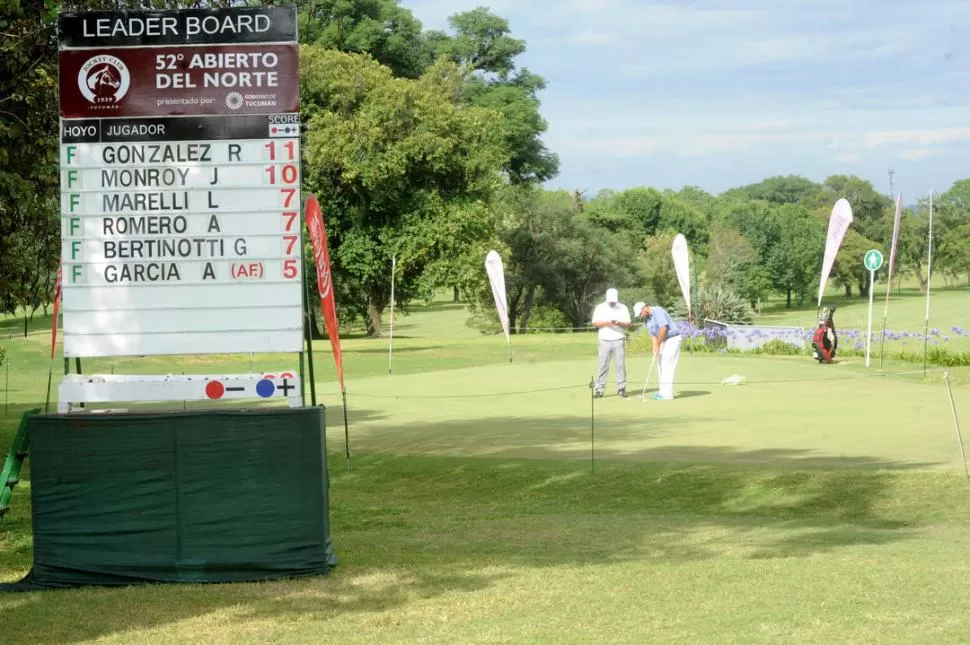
(178, 177)
(116, 343)
(172, 154)
(188, 225)
(181, 245)
(228, 272)
(198, 320)
(136, 300)
(177, 249)
(174, 202)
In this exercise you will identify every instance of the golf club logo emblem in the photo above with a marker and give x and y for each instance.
(234, 100)
(104, 81)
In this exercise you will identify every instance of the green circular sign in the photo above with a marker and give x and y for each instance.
(873, 260)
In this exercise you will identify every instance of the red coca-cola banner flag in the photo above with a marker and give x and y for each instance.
(318, 238)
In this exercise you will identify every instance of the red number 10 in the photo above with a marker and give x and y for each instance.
(289, 174)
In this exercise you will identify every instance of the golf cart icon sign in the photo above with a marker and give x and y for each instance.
(873, 260)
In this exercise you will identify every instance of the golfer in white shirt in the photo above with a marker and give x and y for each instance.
(611, 320)
(666, 345)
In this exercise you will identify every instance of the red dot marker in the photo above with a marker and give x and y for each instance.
(214, 389)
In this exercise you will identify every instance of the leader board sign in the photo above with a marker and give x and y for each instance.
(180, 182)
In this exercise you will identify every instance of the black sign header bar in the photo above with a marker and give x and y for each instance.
(181, 27)
(212, 128)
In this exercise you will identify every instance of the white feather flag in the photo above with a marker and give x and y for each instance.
(682, 267)
(496, 278)
(892, 248)
(838, 224)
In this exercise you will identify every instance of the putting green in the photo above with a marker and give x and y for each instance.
(786, 412)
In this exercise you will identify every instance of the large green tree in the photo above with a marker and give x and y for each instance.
(642, 205)
(382, 28)
(795, 260)
(680, 215)
(29, 211)
(389, 158)
(869, 207)
(29, 222)
(532, 224)
(484, 50)
(848, 269)
(789, 242)
(911, 248)
(588, 261)
(780, 189)
(952, 218)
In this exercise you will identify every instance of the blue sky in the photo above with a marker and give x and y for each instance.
(720, 93)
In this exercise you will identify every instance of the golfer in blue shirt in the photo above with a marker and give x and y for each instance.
(666, 345)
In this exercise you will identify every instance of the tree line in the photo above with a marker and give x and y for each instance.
(425, 146)
(748, 244)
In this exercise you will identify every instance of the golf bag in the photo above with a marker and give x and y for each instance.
(825, 340)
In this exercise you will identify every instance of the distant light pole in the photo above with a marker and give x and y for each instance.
(892, 184)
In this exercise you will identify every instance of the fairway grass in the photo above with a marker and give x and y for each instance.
(496, 502)
(440, 549)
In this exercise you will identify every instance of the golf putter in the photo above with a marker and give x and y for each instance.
(649, 371)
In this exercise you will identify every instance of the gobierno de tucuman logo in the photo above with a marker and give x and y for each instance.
(104, 80)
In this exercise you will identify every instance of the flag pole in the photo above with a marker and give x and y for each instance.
(692, 307)
(872, 287)
(929, 284)
(390, 343)
(343, 395)
(58, 292)
(889, 279)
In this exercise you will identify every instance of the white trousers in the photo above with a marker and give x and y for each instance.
(669, 355)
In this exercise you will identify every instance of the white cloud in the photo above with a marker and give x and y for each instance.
(801, 84)
(697, 145)
(772, 124)
(728, 49)
(915, 154)
(590, 37)
(918, 137)
(592, 6)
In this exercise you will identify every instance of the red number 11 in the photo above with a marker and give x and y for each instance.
(288, 146)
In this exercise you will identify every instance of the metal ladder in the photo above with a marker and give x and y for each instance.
(10, 476)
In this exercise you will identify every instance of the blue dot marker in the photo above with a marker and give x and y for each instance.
(265, 388)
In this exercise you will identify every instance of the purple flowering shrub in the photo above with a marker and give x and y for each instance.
(900, 345)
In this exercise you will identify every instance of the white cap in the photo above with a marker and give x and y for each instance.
(612, 295)
(637, 308)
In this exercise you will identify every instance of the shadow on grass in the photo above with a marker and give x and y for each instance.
(15, 324)
(413, 528)
(558, 438)
(397, 350)
(408, 529)
(690, 394)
